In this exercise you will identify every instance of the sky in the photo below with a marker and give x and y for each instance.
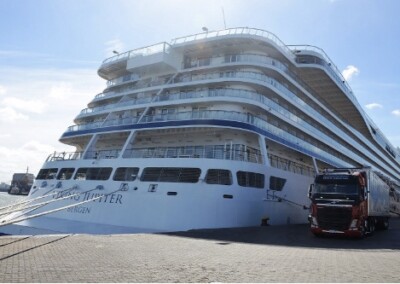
(50, 51)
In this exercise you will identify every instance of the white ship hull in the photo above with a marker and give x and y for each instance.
(170, 207)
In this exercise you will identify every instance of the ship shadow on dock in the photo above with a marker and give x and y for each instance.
(296, 236)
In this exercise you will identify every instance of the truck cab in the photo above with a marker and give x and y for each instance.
(340, 203)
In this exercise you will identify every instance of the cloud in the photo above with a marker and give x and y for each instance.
(8, 114)
(40, 109)
(20, 53)
(60, 90)
(3, 90)
(114, 45)
(396, 112)
(36, 146)
(34, 106)
(16, 159)
(374, 106)
(349, 72)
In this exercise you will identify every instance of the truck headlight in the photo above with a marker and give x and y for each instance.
(353, 224)
(314, 222)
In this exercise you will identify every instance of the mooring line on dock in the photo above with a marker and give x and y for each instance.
(35, 247)
(46, 194)
(279, 199)
(16, 220)
(15, 241)
(39, 205)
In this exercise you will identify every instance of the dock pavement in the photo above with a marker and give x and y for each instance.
(256, 254)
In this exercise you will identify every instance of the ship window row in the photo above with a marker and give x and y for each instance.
(156, 174)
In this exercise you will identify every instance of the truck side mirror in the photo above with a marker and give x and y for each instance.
(310, 190)
(363, 193)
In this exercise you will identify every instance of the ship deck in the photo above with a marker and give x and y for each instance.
(254, 254)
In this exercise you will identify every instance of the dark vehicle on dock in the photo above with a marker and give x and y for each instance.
(21, 183)
(350, 202)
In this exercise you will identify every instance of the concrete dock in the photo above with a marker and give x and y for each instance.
(257, 254)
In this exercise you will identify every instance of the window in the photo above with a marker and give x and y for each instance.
(276, 183)
(126, 174)
(250, 179)
(65, 173)
(126, 78)
(218, 176)
(189, 175)
(93, 173)
(204, 61)
(47, 173)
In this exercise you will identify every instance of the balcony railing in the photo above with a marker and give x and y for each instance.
(236, 152)
(64, 156)
(288, 165)
(103, 154)
(241, 31)
(144, 51)
(240, 74)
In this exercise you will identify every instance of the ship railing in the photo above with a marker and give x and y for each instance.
(289, 165)
(143, 51)
(297, 142)
(329, 66)
(252, 58)
(165, 47)
(214, 61)
(197, 115)
(211, 61)
(112, 106)
(64, 156)
(236, 152)
(159, 81)
(242, 31)
(326, 62)
(103, 154)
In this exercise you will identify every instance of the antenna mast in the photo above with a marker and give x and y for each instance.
(223, 16)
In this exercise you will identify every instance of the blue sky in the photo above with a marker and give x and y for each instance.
(50, 51)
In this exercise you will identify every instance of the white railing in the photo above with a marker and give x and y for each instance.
(64, 156)
(143, 51)
(329, 66)
(165, 47)
(236, 152)
(241, 31)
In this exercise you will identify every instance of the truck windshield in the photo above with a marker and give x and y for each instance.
(334, 188)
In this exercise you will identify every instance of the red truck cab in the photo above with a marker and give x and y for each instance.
(340, 203)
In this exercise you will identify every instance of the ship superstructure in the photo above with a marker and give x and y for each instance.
(219, 129)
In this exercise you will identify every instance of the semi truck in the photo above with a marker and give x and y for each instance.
(351, 202)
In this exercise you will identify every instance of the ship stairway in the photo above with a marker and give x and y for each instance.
(111, 114)
(27, 207)
(157, 95)
(276, 198)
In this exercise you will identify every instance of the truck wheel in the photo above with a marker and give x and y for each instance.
(363, 229)
(371, 226)
(385, 224)
(317, 235)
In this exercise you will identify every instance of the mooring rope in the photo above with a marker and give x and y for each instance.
(287, 200)
(34, 199)
(38, 205)
(9, 222)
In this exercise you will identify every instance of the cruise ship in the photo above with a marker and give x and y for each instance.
(214, 130)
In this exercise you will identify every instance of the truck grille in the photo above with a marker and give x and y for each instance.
(334, 218)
